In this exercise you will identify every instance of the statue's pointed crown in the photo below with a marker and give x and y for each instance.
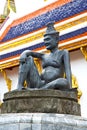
(50, 29)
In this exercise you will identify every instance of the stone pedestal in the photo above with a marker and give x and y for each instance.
(41, 121)
(41, 101)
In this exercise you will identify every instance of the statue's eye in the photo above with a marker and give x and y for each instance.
(46, 39)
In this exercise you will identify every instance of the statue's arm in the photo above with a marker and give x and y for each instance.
(28, 53)
(67, 67)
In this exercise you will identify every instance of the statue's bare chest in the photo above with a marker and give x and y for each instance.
(53, 59)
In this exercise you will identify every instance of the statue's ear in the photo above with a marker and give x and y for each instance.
(56, 36)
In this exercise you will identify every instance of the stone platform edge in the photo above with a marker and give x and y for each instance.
(35, 121)
(42, 94)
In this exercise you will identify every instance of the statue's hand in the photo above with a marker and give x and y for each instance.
(25, 54)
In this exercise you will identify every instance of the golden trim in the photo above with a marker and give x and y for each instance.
(84, 51)
(8, 80)
(9, 64)
(75, 85)
(74, 45)
(71, 24)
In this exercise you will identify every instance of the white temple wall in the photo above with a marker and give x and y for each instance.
(12, 74)
(23, 8)
(79, 69)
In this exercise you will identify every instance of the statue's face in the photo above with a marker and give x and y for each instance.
(50, 42)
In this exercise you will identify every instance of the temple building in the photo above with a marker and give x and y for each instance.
(22, 25)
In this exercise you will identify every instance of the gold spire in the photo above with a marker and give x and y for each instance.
(8, 4)
(11, 5)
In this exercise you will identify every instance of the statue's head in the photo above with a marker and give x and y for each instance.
(51, 37)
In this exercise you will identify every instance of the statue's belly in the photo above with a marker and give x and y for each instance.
(50, 74)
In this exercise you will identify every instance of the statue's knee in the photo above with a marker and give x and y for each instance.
(30, 59)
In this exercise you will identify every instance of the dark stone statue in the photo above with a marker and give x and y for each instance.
(55, 65)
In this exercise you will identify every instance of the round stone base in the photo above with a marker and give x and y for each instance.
(41, 101)
(41, 121)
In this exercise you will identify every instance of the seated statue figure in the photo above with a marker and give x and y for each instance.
(55, 65)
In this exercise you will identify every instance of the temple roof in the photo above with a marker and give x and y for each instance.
(70, 17)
